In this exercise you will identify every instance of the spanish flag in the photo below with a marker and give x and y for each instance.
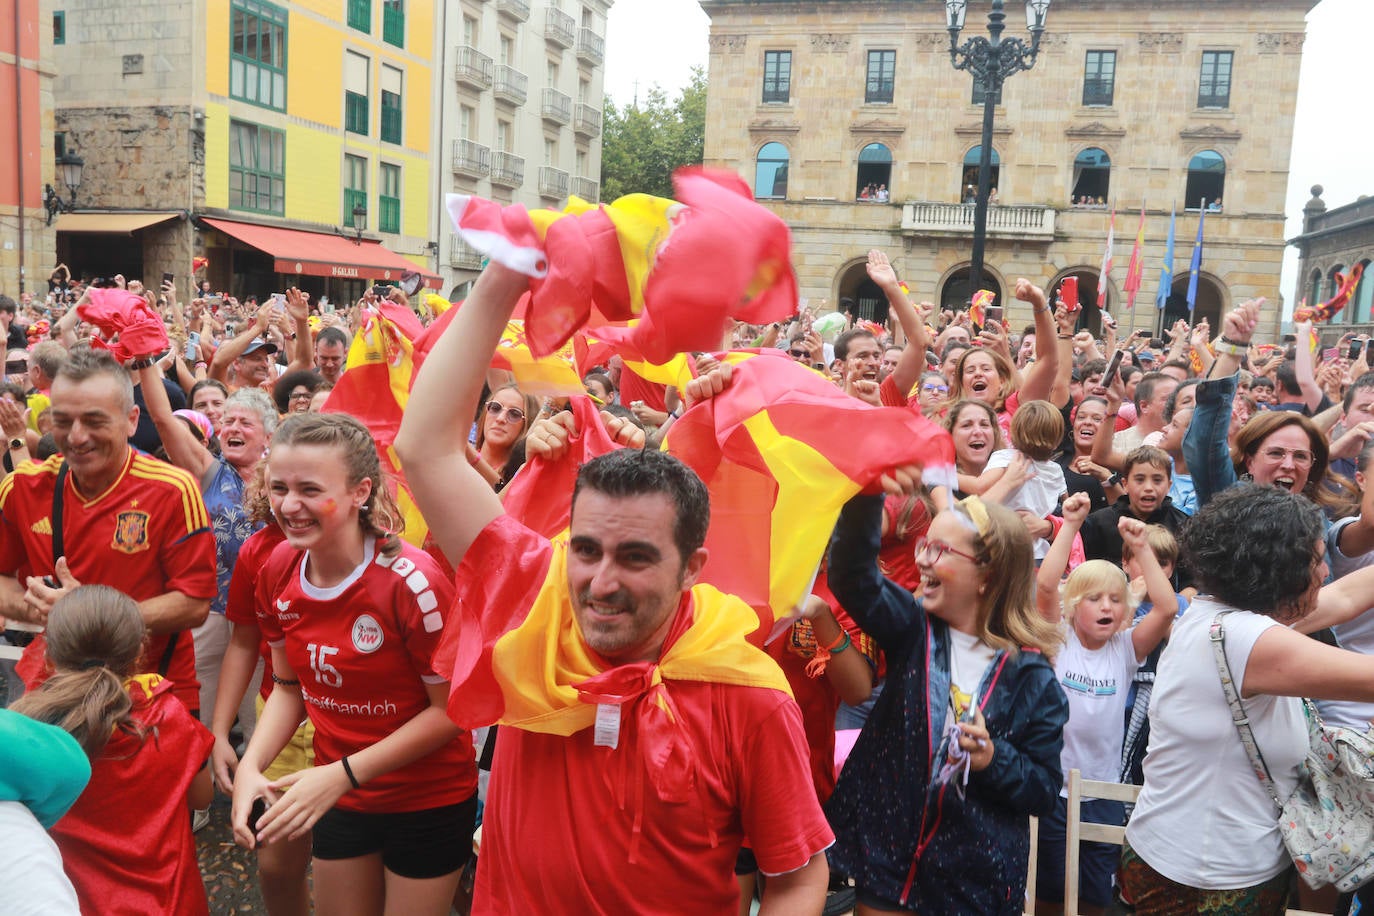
(642, 256)
(977, 310)
(375, 387)
(552, 375)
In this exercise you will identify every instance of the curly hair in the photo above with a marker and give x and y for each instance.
(1254, 547)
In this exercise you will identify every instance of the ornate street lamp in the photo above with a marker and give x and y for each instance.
(359, 223)
(991, 60)
(69, 167)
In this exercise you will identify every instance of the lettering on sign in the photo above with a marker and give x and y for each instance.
(340, 271)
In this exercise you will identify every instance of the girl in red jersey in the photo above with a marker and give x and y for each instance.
(126, 844)
(353, 615)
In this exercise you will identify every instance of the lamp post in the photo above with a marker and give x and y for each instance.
(359, 223)
(70, 165)
(991, 60)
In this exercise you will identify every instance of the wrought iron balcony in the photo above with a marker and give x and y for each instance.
(511, 85)
(587, 120)
(556, 106)
(589, 189)
(507, 170)
(471, 159)
(472, 68)
(519, 10)
(591, 47)
(553, 182)
(560, 28)
(463, 256)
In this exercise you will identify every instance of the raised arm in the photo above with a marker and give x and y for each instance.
(1303, 368)
(231, 350)
(913, 359)
(298, 309)
(1163, 600)
(432, 443)
(1038, 382)
(183, 448)
(1047, 599)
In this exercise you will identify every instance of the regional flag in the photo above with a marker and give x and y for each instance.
(1195, 267)
(1105, 274)
(1166, 272)
(1137, 266)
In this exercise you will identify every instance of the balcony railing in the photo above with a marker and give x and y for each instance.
(471, 159)
(463, 256)
(472, 68)
(923, 217)
(511, 85)
(519, 10)
(553, 182)
(507, 170)
(591, 47)
(556, 106)
(560, 28)
(589, 189)
(587, 120)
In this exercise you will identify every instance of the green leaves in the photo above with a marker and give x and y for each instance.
(644, 143)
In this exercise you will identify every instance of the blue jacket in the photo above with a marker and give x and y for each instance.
(898, 836)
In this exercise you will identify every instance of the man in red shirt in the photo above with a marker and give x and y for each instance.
(127, 521)
(646, 739)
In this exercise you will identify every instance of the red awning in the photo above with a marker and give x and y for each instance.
(320, 254)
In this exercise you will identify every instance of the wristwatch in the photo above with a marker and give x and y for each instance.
(17, 443)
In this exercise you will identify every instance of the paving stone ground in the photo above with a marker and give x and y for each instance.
(230, 873)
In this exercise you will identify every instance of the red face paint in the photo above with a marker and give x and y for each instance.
(330, 507)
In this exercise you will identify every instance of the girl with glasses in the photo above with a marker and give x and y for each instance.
(931, 812)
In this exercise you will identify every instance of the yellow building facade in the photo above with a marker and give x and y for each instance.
(270, 122)
(1130, 104)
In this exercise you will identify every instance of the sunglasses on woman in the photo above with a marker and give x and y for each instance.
(514, 414)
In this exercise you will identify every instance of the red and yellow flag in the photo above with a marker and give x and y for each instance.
(977, 310)
(642, 257)
(1346, 284)
(1136, 269)
(375, 387)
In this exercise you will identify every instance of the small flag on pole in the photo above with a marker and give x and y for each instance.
(1137, 266)
(1104, 276)
(1166, 273)
(1196, 266)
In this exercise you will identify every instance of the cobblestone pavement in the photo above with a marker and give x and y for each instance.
(230, 873)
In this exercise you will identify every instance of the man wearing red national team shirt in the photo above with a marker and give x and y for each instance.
(641, 812)
(128, 521)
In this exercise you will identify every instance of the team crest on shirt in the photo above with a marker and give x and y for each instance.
(131, 532)
(367, 634)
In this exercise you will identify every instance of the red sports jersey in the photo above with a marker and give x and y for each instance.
(126, 843)
(362, 652)
(240, 607)
(148, 534)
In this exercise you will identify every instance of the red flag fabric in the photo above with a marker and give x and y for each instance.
(1346, 286)
(540, 496)
(120, 312)
(642, 257)
(1136, 268)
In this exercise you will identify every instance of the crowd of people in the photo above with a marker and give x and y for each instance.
(203, 562)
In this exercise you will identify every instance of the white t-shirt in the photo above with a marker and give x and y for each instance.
(32, 882)
(1128, 440)
(1096, 682)
(969, 658)
(1357, 636)
(1039, 494)
(1203, 818)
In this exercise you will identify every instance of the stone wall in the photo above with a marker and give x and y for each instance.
(144, 158)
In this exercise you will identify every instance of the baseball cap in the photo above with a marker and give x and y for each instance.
(265, 345)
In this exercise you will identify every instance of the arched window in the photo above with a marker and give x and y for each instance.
(1333, 282)
(1206, 181)
(770, 172)
(1092, 172)
(1314, 288)
(875, 173)
(1364, 297)
(968, 176)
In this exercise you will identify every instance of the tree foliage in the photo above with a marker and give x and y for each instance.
(642, 144)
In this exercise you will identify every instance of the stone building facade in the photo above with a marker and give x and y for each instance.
(1332, 243)
(1139, 103)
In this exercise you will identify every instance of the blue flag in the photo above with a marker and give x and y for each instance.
(1166, 273)
(1196, 266)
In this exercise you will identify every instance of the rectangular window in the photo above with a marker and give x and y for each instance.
(582, 163)
(882, 74)
(980, 94)
(355, 93)
(59, 27)
(777, 76)
(467, 122)
(1099, 78)
(1214, 88)
(257, 53)
(360, 15)
(550, 151)
(389, 199)
(506, 55)
(257, 168)
(470, 31)
(394, 22)
(584, 89)
(355, 187)
(391, 104)
(503, 136)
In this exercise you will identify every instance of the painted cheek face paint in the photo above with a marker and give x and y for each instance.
(330, 507)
